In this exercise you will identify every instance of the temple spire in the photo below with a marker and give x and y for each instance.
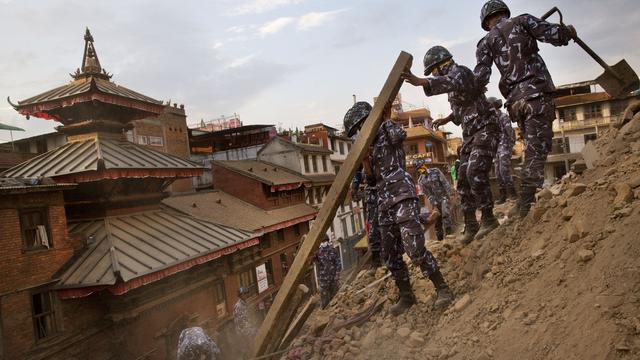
(90, 63)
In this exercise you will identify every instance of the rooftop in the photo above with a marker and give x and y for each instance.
(263, 171)
(581, 99)
(25, 185)
(222, 208)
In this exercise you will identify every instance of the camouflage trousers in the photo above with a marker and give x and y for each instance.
(477, 155)
(328, 290)
(535, 118)
(373, 228)
(401, 231)
(444, 222)
(503, 166)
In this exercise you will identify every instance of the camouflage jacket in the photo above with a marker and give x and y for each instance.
(242, 319)
(507, 134)
(388, 164)
(370, 190)
(470, 107)
(435, 186)
(194, 343)
(513, 46)
(327, 260)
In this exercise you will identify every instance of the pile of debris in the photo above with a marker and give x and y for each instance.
(562, 283)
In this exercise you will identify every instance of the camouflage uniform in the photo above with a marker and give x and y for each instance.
(242, 319)
(328, 265)
(194, 343)
(525, 82)
(505, 147)
(371, 204)
(438, 191)
(398, 205)
(480, 133)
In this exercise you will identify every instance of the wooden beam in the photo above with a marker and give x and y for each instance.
(296, 325)
(273, 328)
(289, 313)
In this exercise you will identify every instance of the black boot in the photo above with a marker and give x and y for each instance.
(488, 223)
(511, 193)
(503, 196)
(471, 227)
(406, 299)
(374, 263)
(527, 197)
(444, 294)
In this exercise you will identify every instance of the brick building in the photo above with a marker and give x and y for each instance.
(122, 274)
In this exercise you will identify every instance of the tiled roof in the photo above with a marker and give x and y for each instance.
(264, 172)
(131, 246)
(80, 156)
(222, 208)
(81, 86)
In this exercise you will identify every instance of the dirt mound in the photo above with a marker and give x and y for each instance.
(563, 283)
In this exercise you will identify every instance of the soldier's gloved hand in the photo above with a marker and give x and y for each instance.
(439, 122)
(572, 31)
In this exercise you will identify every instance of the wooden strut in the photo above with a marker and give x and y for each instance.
(273, 328)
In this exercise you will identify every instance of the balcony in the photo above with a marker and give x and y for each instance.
(584, 124)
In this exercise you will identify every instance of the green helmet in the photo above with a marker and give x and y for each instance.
(492, 7)
(495, 102)
(354, 118)
(434, 56)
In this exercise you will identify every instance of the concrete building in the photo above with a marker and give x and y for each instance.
(583, 110)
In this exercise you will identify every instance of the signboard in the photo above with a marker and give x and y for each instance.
(261, 275)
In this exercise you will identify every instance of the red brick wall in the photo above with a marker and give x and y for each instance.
(240, 186)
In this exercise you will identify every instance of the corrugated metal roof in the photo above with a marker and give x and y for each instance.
(132, 246)
(82, 86)
(263, 171)
(81, 156)
(222, 208)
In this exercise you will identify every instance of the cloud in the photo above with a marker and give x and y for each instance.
(260, 6)
(314, 19)
(428, 42)
(273, 27)
(242, 61)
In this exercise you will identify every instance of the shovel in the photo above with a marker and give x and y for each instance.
(617, 80)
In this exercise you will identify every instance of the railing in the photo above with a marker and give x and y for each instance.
(582, 124)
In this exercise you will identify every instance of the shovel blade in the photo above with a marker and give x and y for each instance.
(621, 81)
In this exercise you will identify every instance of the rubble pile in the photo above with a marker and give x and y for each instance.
(563, 283)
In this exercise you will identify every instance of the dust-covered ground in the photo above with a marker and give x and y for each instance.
(563, 283)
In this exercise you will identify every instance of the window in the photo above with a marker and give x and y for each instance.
(44, 315)
(249, 281)
(319, 195)
(341, 147)
(156, 141)
(411, 149)
(129, 135)
(143, 140)
(269, 267)
(353, 224)
(280, 234)
(265, 241)
(220, 298)
(333, 144)
(296, 229)
(590, 137)
(343, 223)
(337, 168)
(593, 111)
(348, 146)
(314, 162)
(306, 163)
(41, 146)
(284, 264)
(324, 163)
(310, 196)
(35, 229)
(568, 114)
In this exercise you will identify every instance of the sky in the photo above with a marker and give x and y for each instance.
(282, 62)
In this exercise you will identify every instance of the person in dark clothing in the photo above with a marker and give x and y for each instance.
(371, 208)
(399, 212)
(194, 344)
(503, 155)
(480, 134)
(438, 191)
(512, 45)
(327, 261)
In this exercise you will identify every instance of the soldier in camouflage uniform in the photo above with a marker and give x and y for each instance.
(194, 344)
(512, 44)
(438, 191)
(371, 208)
(398, 209)
(327, 261)
(480, 134)
(243, 320)
(503, 156)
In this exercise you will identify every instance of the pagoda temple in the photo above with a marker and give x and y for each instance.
(126, 252)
